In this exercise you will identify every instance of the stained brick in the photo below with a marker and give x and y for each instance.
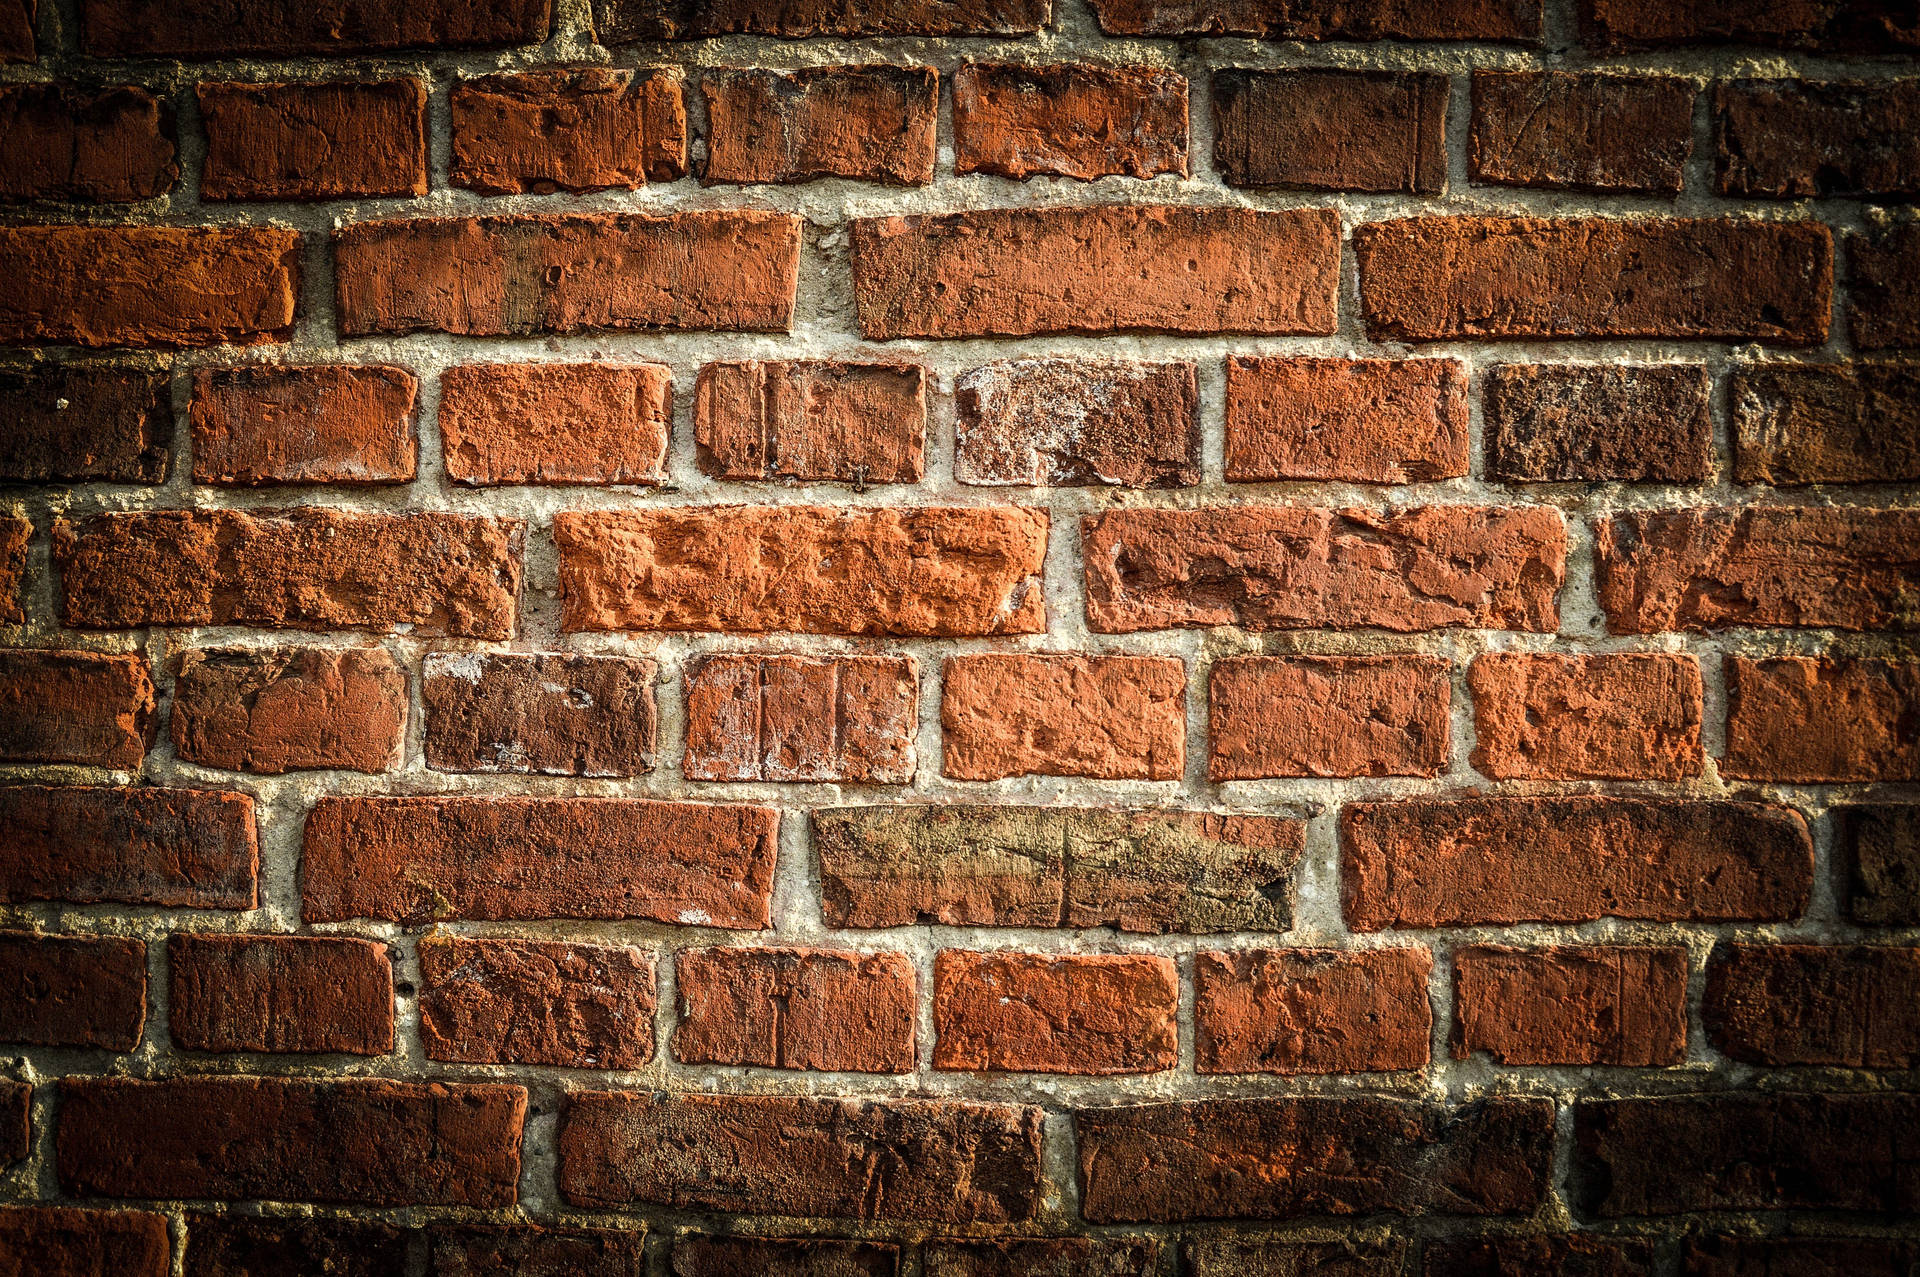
(1558, 423)
(580, 1006)
(76, 991)
(620, 21)
(243, 1246)
(280, 994)
(1851, 423)
(214, 28)
(186, 848)
(1381, 131)
(556, 423)
(14, 537)
(799, 718)
(1072, 119)
(314, 141)
(1077, 423)
(1092, 1014)
(1503, 20)
(1559, 130)
(323, 423)
(1882, 309)
(1881, 850)
(1835, 28)
(579, 129)
(1231, 1254)
(1571, 1004)
(1784, 139)
(1822, 719)
(1724, 1256)
(828, 1009)
(538, 1252)
(1312, 1010)
(80, 423)
(75, 707)
(16, 1122)
(1365, 420)
(811, 420)
(1570, 1255)
(1848, 1006)
(695, 1255)
(548, 713)
(868, 123)
(285, 709)
(1113, 717)
(1042, 1257)
(61, 142)
(64, 1241)
(1328, 716)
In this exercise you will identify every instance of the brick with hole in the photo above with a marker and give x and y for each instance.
(1363, 420)
(801, 718)
(62, 142)
(1882, 311)
(1571, 1004)
(268, 1246)
(1328, 716)
(84, 423)
(314, 141)
(235, 1138)
(1620, 716)
(1327, 130)
(625, 21)
(1041, 1257)
(572, 1006)
(72, 991)
(832, 1010)
(1879, 847)
(1843, 1006)
(318, 424)
(280, 28)
(1077, 423)
(1787, 139)
(868, 123)
(1092, 1014)
(1721, 1255)
(304, 995)
(699, 1255)
(1568, 131)
(1294, 1011)
(1564, 423)
(1852, 423)
(85, 844)
(555, 423)
(62, 1240)
(1110, 717)
(565, 1252)
(1565, 1255)
(1232, 1254)
(811, 420)
(1084, 120)
(289, 709)
(1494, 20)
(1814, 719)
(539, 713)
(85, 708)
(577, 129)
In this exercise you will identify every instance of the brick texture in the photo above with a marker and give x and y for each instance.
(314, 141)
(1785, 138)
(75, 707)
(66, 1239)
(580, 1006)
(71, 423)
(1883, 312)
(77, 991)
(858, 423)
(868, 123)
(579, 130)
(1560, 423)
(1580, 132)
(280, 994)
(618, 21)
(1514, 20)
(1072, 119)
(827, 1009)
(187, 848)
(1542, 717)
(1375, 131)
(555, 713)
(1328, 716)
(291, 708)
(1365, 420)
(1112, 717)
(59, 142)
(1571, 1004)
(1045, 1013)
(1077, 423)
(1312, 1011)
(555, 423)
(239, 1246)
(1881, 849)
(793, 718)
(1803, 719)
(210, 28)
(1849, 424)
(334, 424)
(1847, 1005)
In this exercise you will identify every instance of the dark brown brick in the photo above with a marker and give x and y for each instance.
(623, 21)
(1085, 120)
(280, 710)
(1042, 1257)
(1786, 139)
(280, 994)
(16, 1121)
(1364, 420)
(527, 1251)
(16, 31)
(1573, 1255)
(255, 1246)
(1229, 1254)
(1503, 20)
(87, 991)
(1880, 847)
(1383, 131)
(580, 1006)
(1724, 1256)
(325, 141)
(696, 1255)
(61, 1241)
(1571, 1004)
(579, 129)
(1848, 1006)
(867, 123)
(547, 713)
(85, 423)
(1822, 719)
(827, 1009)
(811, 420)
(1850, 26)
(1847, 423)
(323, 423)
(186, 848)
(1312, 1011)
(1077, 423)
(1559, 423)
(1581, 132)
(1883, 309)
(215, 28)
(85, 708)
(62, 142)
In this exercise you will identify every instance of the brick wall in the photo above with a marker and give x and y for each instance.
(959, 637)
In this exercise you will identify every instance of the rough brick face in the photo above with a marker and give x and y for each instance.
(794, 718)
(1054, 1013)
(1857, 423)
(1880, 847)
(869, 123)
(239, 1246)
(1884, 312)
(695, 1255)
(1559, 423)
(1854, 1006)
(58, 142)
(589, 129)
(1041, 1256)
(1627, 716)
(16, 32)
(555, 423)
(64, 1240)
(187, 848)
(1328, 716)
(572, 1252)
(280, 994)
(1312, 1011)
(1114, 717)
(1571, 1004)
(1228, 1254)
(213, 28)
(76, 991)
(555, 713)
(1077, 423)
(1366, 420)
(1578, 132)
(1835, 28)
(14, 536)
(72, 423)
(1801, 719)
(1070, 119)
(1786, 138)
(290, 708)
(75, 707)
(580, 1006)
(1517, 20)
(1573, 1255)
(617, 21)
(1331, 130)
(16, 1121)
(338, 423)
(314, 141)
(811, 420)
(1723, 1256)
(828, 1009)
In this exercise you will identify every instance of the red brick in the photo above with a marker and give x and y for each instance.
(868, 123)
(1119, 268)
(798, 718)
(306, 568)
(1784, 139)
(825, 1009)
(695, 1255)
(63, 1241)
(16, 1122)
(1001, 866)
(14, 536)
(1848, 423)
(1041, 1257)
(1382, 131)
(1505, 20)
(1570, 1255)
(1312, 1011)
(415, 859)
(579, 1006)
(544, 273)
(86, 991)
(1229, 1254)
(215, 28)
(186, 848)
(16, 32)
(811, 420)
(62, 142)
(1581, 132)
(1879, 847)
(1560, 423)
(1365, 420)
(76, 423)
(947, 1161)
(1626, 716)
(1026, 714)
(538, 1252)
(1707, 569)
(286, 709)
(556, 423)
(1328, 716)
(804, 569)
(1077, 423)
(578, 129)
(1498, 861)
(269, 1246)
(1071, 119)
(1292, 567)
(623, 21)
(323, 423)
(550, 713)
(314, 141)
(75, 707)
(148, 285)
(1724, 1256)
(244, 1138)
(1847, 27)
(1664, 1156)
(1088, 1013)
(1883, 310)
(280, 994)
(1441, 278)
(1571, 1004)
(1848, 1006)
(1282, 1158)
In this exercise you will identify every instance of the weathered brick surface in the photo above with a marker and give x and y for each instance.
(1571, 1255)
(75, 707)
(1290, 567)
(15, 534)
(280, 994)
(322, 141)
(1006, 866)
(16, 1121)
(1880, 849)
(1625, 716)
(1581, 132)
(1854, 1006)
(697, 1255)
(85, 991)
(290, 708)
(1366, 420)
(1041, 1257)
(75, 423)
(1481, 861)
(1511, 20)
(948, 1161)
(868, 123)
(583, 1006)
(1077, 423)
(213, 28)
(585, 129)
(550, 713)
(617, 21)
(187, 848)
(1723, 1256)
(1281, 1158)
(807, 569)
(65, 1241)
(1231, 1254)
(16, 32)
(241, 1138)
(811, 420)
(1855, 423)
(1378, 131)
(1557, 423)
(797, 718)
(1328, 716)
(1818, 719)
(1571, 1004)
(60, 142)
(1834, 28)
(1055, 1013)
(1883, 311)
(555, 423)
(1069, 119)
(324, 423)
(829, 1009)
(243, 1246)
(1113, 717)
(1312, 1011)
(563, 1252)
(420, 859)
(1786, 138)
